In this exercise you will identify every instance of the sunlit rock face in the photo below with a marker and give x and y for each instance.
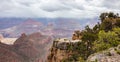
(110, 55)
(8, 41)
(27, 48)
(60, 49)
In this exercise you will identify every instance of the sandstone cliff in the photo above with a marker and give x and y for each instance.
(61, 50)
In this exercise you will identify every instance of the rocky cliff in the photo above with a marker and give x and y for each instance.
(62, 50)
(27, 48)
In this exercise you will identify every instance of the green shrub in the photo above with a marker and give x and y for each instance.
(118, 52)
(80, 59)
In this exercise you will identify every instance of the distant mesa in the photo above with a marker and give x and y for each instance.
(29, 26)
(31, 22)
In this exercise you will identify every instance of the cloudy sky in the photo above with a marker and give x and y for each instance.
(57, 8)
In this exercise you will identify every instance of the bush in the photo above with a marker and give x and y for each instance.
(80, 59)
(118, 52)
(106, 40)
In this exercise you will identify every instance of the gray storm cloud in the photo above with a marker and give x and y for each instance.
(57, 8)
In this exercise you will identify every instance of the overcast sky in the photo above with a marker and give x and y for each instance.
(57, 8)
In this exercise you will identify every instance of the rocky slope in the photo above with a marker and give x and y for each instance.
(110, 55)
(27, 48)
(8, 55)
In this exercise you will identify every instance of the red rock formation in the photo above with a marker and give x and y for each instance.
(27, 48)
(8, 55)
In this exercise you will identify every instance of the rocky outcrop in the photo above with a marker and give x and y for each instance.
(27, 48)
(61, 49)
(77, 35)
(110, 55)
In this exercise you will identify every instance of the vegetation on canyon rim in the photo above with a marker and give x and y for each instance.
(103, 35)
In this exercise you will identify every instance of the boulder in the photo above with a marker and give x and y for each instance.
(110, 55)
